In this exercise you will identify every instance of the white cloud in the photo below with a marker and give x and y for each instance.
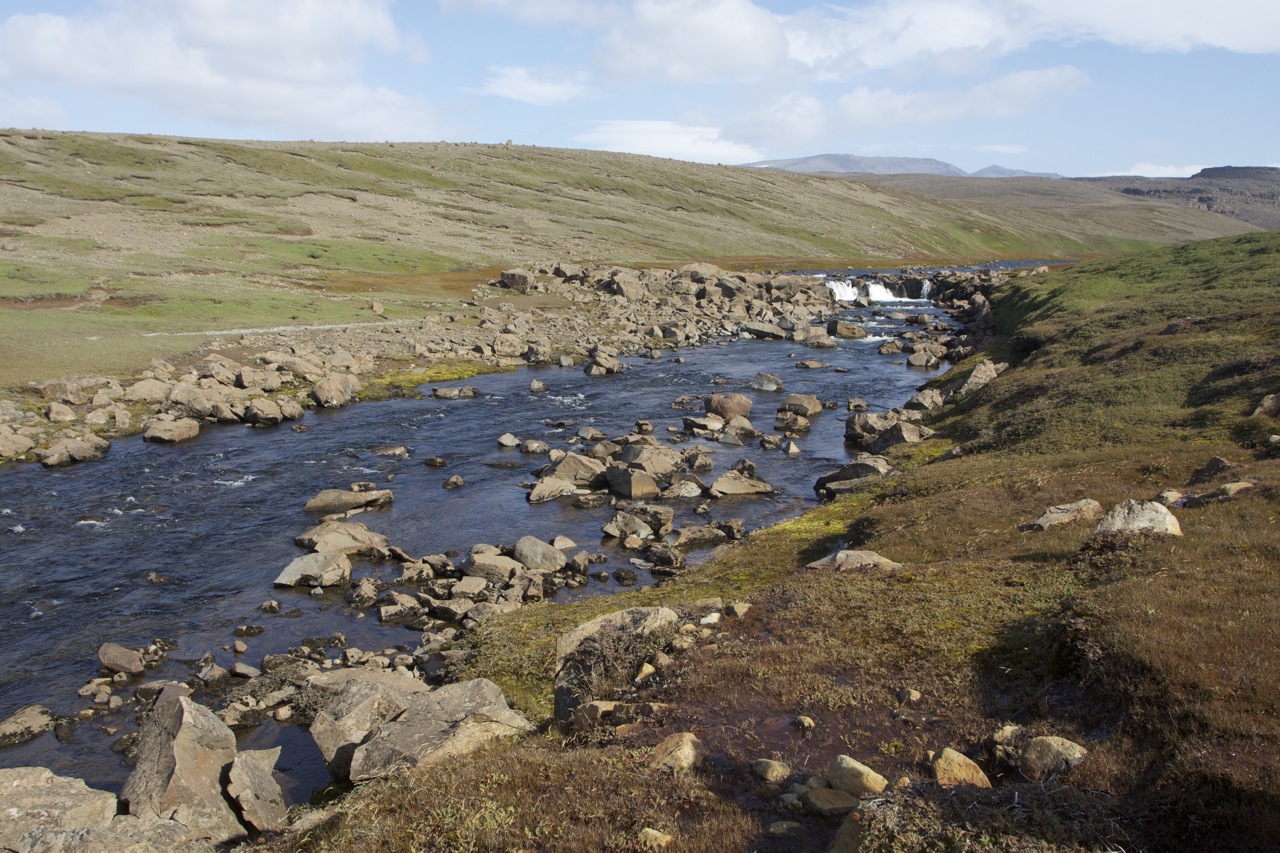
(695, 41)
(585, 13)
(791, 120)
(1158, 170)
(290, 67)
(1245, 26)
(669, 139)
(1000, 98)
(540, 87)
(1003, 149)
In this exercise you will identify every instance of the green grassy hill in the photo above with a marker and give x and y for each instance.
(107, 238)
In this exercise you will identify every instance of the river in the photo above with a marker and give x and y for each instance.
(215, 517)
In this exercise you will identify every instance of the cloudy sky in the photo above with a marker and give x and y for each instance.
(1079, 87)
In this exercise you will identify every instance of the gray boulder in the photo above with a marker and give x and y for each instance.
(25, 724)
(729, 406)
(116, 658)
(256, 792)
(845, 561)
(330, 501)
(735, 483)
(443, 725)
(37, 802)
(344, 537)
(1085, 510)
(631, 483)
(494, 568)
(1133, 516)
(84, 448)
(336, 389)
(171, 432)
(346, 721)
(183, 753)
(320, 569)
(539, 556)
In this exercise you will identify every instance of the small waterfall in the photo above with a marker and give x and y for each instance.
(879, 293)
(844, 291)
(926, 288)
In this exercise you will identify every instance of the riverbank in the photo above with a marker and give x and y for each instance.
(1156, 654)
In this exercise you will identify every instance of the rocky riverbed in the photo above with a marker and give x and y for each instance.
(632, 476)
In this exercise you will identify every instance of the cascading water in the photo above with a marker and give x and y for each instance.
(926, 288)
(844, 291)
(879, 293)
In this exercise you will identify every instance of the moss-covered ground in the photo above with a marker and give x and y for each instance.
(1161, 656)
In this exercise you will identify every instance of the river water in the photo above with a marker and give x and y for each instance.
(216, 516)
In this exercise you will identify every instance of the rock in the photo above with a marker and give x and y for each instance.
(116, 658)
(767, 382)
(550, 488)
(678, 752)
(582, 471)
(982, 375)
(849, 838)
(521, 281)
(12, 444)
(1269, 406)
(344, 537)
(1084, 510)
(805, 405)
(454, 482)
(736, 483)
(847, 561)
(831, 802)
(60, 413)
(336, 389)
(853, 777)
(1133, 516)
(952, 768)
(85, 448)
(316, 570)
(1211, 470)
(171, 432)
(928, 400)
(538, 556)
(631, 483)
(900, 433)
(256, 792)
(494, 568)
(729, 406)
(147, 391)
(1048, 756)
(25, 724)
(36, 802)
(652, 840)
(770, 770)
(443, 725)
(183, 752)
(349, 718)
(263, 412)
(332, 501)
(845, 329)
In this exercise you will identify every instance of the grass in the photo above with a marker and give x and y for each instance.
(1162, 657)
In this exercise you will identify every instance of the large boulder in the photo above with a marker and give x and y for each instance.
(854, 777)
(330, 501)
(1136, 517)
(84, 448)
(582, 471)
(347, 720)
(318, 569)
(147, 391)
(25, 724)
(538, 556)
(1084, 510)
(443, 725)
(256, 792)
(900, 433)
(171, 432)
(550, 488)
(1047, 756)
(735, 483)
(521, 281)
(729, 406)
(336, 389)
(345, 537)
(494, 568)
(805, 405)
(631, 483)
(849, 561)
(36, 802)
(184, 752)
(116, 658)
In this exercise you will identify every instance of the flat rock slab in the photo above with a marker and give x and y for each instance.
(847, 561)
(327, 569)
(1086, 510)
(25, 724)
(344, 537)
(171, 432)
(35, 800)
(330, 501)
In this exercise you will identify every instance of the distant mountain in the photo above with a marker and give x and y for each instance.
(850, 164)
(1247, 193)
(994, 171)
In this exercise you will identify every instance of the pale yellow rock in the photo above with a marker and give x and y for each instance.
(952, 768)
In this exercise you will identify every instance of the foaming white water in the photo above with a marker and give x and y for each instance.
(237, 483)
(845, 291)
(879, 293)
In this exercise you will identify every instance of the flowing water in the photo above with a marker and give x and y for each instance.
(215, 518)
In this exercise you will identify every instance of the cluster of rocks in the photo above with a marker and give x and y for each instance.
(1146, 517)
(169, 406)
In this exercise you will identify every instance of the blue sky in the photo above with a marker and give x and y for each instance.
(1079, 87)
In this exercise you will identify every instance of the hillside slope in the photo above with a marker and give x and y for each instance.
(105, 239)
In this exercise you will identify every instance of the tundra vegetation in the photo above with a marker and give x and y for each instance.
(1127, 374)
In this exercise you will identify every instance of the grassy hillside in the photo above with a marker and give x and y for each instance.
(109, 238)
(1160, 656)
